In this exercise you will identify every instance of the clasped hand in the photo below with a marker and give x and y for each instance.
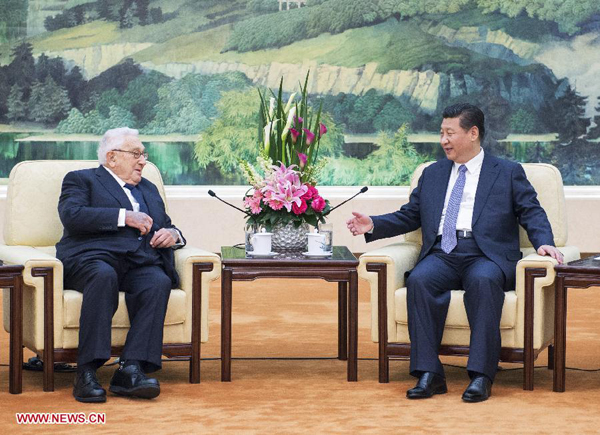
(163, 238)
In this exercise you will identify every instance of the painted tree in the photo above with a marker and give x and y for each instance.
(127, 16)
(104, 9)
(74, 123)
(75, 84)
(594, 132)
(142, 11)
(49, 102)
(17, 107)
(21, 69)
(569, 119)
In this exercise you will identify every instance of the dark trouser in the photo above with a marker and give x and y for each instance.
(429, 285)
(100, 276)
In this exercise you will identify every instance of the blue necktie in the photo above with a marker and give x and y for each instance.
(449, 230)
(137, 194)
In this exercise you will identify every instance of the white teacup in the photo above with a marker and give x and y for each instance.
(316, 242)
(261, 242)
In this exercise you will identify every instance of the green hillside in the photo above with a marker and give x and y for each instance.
(393, 45)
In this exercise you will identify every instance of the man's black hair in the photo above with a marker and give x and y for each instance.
(470, 116)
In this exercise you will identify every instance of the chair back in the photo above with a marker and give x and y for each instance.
(31, 215)
(547, 182)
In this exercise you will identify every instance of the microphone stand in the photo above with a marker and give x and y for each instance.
(363, 190)
(214, 195)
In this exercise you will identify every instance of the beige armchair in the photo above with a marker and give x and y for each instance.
(527, 325)
(50, 312)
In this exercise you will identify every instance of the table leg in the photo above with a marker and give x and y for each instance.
(226, 284)
(16, 337)
(353, 327)
(343, 321)
(560, 334)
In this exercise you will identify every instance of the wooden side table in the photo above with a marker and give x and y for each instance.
(11, 277)
(576, 274)
(340, 268)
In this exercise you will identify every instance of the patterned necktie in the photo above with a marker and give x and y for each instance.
(137, 194)
(449, 230)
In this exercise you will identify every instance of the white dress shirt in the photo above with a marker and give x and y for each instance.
(132, 200)
(467, 202)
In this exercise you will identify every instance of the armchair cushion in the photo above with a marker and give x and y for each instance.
(73, 299)
(457, 316)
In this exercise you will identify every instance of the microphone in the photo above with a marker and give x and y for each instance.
(214, 195)
(363, 190)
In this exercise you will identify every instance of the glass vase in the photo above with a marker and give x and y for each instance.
(289, 238)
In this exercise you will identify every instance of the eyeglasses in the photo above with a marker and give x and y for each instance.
(136, 154)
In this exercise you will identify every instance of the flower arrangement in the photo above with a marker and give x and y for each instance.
(285, 177)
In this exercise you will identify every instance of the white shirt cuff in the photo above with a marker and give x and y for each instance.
(121, 221)
(179, 239)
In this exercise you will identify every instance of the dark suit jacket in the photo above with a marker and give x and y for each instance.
(504, 199)
(89, 209)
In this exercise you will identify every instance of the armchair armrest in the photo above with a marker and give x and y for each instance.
(535, 296)
(185, 259)
(210, 270)
(42, 273)
(398, 259)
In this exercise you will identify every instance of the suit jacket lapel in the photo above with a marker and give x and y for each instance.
(442, 177)
(113, 187)
(487, 178)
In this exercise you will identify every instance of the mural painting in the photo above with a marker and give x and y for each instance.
(186, 72)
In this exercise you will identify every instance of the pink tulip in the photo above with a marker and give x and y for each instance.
(298, 120)
(318, 204)
(299, 209)
(310, 136)
(303, 158)
(295, 133)
(322, 129)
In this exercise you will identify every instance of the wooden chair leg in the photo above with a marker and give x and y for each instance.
(48, 355)
(551, 357)
(197, 270)
(384, 360)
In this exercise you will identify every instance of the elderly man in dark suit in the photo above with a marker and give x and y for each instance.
(469, 207)
(118, 237)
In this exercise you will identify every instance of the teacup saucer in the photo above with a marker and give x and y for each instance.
(265, 255)
(317, 254)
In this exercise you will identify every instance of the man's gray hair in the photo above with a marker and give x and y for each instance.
(113, 139)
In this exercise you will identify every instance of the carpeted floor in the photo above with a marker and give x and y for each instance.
(285, 318)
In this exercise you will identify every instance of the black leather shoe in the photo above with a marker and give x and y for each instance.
(87, 389)
(479, 389)
(131, 381)
(428, 384)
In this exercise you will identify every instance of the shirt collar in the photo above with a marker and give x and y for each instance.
(116, 177)
(473, 165)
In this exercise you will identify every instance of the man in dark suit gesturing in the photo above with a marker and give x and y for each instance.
(469, 207)
(118, 237)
